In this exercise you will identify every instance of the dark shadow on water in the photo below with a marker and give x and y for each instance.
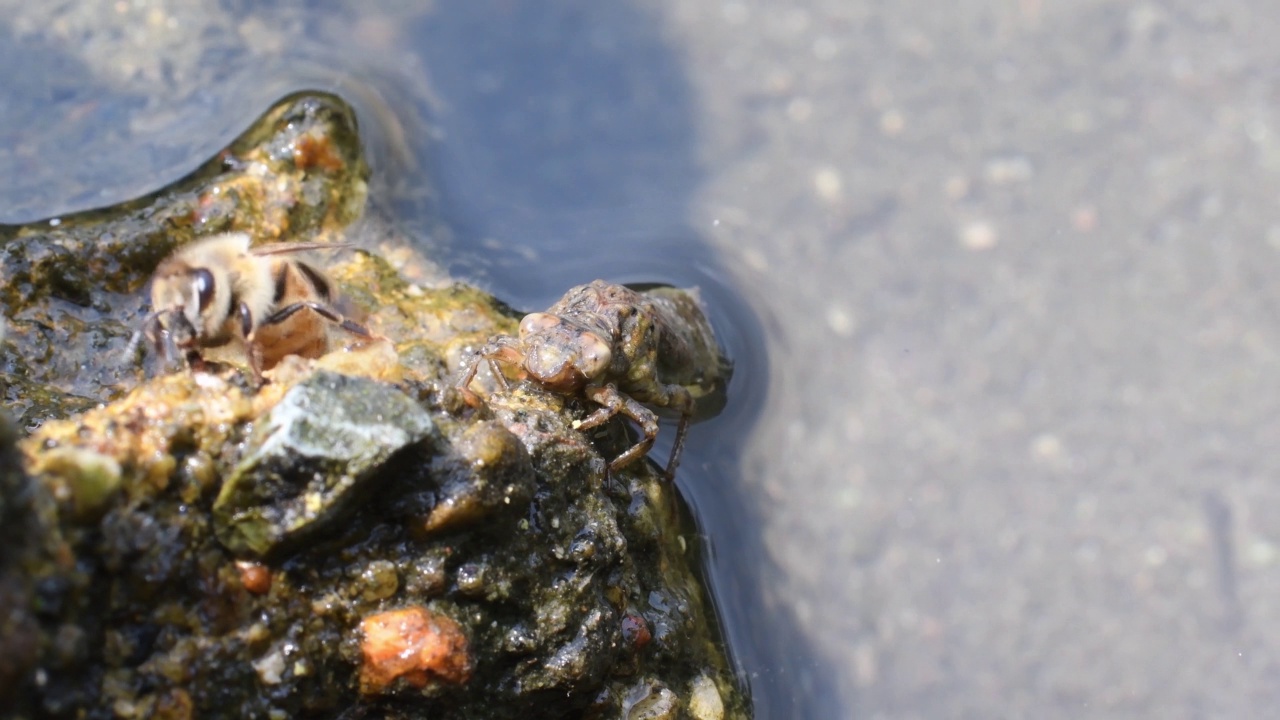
(567, 143)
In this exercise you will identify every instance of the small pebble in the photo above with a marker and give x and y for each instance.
(255, 577)
(800, 109)
(956, 187)
(704, 700)
(840, 321)
(1084, 218)
(978, 236)
(828, 184)
(413, 644)
(1046, 447)
(892, 123)
(1009, 169)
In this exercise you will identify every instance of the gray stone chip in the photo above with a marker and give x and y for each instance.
(310, 457)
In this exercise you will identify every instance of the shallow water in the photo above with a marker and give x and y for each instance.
(999, 278)
(527, 147)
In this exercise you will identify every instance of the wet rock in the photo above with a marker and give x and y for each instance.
(19, 559)
(345, 539)
(311, 458)
(651, 700)
(93, 478)
(487, 471)
(704, 699)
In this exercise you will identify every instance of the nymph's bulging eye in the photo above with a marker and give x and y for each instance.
(535, 323)
(594, 355)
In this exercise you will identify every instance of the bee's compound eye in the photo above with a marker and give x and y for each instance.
(534, 323)
(204, 288)
(594, 355)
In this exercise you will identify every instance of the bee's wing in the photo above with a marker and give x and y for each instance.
(285, 248)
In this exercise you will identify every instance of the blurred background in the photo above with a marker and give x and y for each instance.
(994, 274)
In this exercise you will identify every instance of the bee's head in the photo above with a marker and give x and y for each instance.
(185, 302)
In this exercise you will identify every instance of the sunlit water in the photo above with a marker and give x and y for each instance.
(526, 148)
(1000, 275)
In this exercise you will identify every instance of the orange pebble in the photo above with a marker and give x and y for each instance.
(415, 644)
(254, 577)
(635, 630)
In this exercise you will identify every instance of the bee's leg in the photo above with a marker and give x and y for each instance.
(251, 348)
(246, 321)
(254, 351)
(174, 352)
(195, 361)
(323, 311)
(148, 330)
(613, 402)
(162, 347)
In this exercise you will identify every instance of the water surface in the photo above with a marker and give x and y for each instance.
(526, 147)
(999, 277)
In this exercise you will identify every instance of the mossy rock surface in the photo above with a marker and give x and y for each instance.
(346, 538)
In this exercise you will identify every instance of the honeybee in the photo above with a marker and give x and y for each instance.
(218, 291)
